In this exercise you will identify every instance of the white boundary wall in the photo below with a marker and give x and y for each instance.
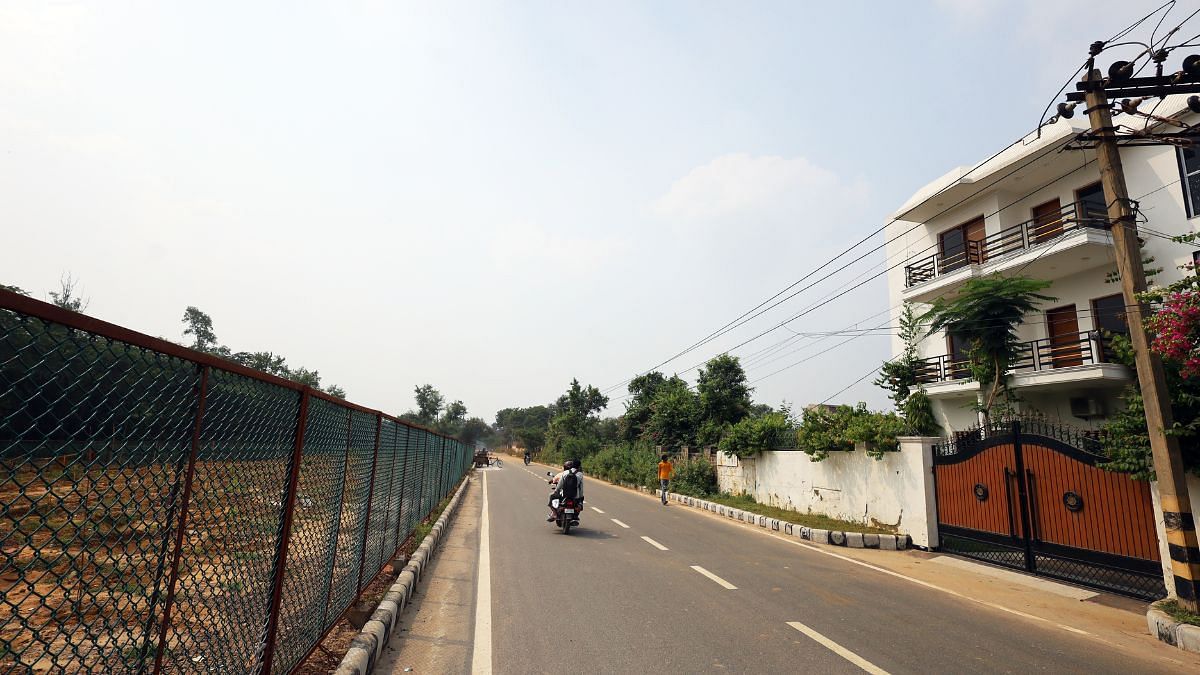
(897, 490)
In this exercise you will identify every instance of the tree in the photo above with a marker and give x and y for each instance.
(900, 377)
(335, 391)
(473, 430)
(455, 413)
(200, 327)
(637, 409)
(14, 289)
(305, 376)
(674, 415)
(429, 403)
(67, 296)
(984, 316)
(524, 426)
(724, 394)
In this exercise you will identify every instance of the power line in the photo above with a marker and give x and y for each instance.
(754, 312)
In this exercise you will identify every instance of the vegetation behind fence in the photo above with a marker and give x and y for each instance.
(166, 510)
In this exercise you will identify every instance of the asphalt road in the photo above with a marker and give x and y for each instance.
(605, 600)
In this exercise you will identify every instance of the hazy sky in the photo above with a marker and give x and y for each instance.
(497, 197)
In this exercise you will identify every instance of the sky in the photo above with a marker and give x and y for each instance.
(495, 198)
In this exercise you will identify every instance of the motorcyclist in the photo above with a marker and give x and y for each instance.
(526, 458)
(570, 467)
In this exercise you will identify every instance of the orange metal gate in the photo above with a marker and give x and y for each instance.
(1033, 499)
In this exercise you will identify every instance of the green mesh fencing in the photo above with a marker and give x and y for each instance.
(165, 510)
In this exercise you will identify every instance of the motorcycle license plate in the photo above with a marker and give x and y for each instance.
(568, 510)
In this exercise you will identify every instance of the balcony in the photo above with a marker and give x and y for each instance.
(1065, 360)
(1036, 246)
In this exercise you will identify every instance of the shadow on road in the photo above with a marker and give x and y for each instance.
(586, 533)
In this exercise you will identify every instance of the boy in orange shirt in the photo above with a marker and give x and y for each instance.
(665, 469)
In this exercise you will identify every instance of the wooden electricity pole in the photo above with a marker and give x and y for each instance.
(1168, 463)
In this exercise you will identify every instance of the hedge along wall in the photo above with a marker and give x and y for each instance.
(897, 490)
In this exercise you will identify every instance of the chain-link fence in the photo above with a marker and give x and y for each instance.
(162, 510)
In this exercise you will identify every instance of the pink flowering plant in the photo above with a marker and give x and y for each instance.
(1176, 328)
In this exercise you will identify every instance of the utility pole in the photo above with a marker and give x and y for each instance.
(1168, 463)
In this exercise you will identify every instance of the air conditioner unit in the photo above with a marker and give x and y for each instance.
(1086, 408)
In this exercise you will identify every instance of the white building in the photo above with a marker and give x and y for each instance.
(1038, 210)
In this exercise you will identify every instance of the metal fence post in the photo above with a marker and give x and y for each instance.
(285, 532)
(182, 527)
(362, 550)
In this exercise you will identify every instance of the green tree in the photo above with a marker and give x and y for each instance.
(724, 394)
(335, 391)
(429, 403)
(455, 413)
(985, 315)
(899, 375)
(472, 430)
(67, 296)
(200, 326)
(637, 409)
(674, 415)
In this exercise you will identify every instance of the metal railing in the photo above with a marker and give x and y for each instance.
(1086, 348)
(1009, 240)
(162, 509)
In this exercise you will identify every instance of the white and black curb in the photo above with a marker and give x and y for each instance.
(883, 542)
(1182, 635)
(366, 648)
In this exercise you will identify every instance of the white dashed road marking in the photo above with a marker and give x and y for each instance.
(597, 510)
(619, 523)
(714, 577)
(838, 649)
(655, 544)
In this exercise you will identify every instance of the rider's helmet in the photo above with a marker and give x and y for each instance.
(573, 464)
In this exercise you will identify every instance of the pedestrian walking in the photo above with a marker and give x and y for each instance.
(665, 469)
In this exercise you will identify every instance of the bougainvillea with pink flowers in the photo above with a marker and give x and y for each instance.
(1176, 328)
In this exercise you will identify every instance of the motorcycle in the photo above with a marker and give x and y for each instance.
(527, 459)
(566, 511)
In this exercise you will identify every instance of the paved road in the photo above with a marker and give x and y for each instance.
(605, 600)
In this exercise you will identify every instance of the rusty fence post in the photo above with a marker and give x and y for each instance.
(362, 550)
(285, 533)
(184, 501)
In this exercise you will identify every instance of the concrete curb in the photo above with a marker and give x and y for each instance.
(883, 542)
(366, 648)
(1182, 635)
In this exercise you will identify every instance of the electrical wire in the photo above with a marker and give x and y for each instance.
(744, 318)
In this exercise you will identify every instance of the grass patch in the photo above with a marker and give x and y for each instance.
(1178, 613)
(813, 520)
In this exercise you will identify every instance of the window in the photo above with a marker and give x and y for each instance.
(1093, 208)
(1189, 175)
(1108, 318)
(962, 245)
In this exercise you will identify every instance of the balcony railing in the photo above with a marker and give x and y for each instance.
(1064, 351)
(1009, 240)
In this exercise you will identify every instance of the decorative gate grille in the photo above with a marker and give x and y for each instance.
(1030, 496)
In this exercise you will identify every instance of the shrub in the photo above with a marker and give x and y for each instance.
(697, 478)
(824, 431)
(754, 434)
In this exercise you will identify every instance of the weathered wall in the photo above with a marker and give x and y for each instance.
(896, 490)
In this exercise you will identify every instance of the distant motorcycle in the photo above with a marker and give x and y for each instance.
(566, 511)
(527, 459)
